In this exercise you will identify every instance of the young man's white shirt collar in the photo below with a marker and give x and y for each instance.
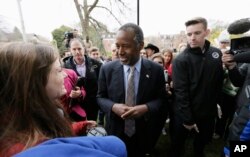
(81, 68)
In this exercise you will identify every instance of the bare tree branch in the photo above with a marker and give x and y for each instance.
(84, 11)
(79, 14)
(123, 7)
(94, 24)
(110, 3)
(100, 37)
(100, 26)
(102, 7)
(92, 6)
(123, 4)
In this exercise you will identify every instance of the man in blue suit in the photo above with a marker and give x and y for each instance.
(147, 112)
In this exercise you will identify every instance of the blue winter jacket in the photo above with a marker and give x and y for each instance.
(108, 146)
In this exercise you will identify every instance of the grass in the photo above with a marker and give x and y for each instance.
(213, 149)
(162, 149)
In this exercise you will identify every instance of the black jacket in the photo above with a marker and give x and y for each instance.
(197, 79)
(240, 77)
(89, 83)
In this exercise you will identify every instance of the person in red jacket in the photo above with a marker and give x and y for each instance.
(74, 97)
(168, 56)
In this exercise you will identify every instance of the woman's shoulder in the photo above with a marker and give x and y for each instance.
(70, 72)
(16, 148)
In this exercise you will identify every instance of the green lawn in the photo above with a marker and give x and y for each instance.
(214, 149)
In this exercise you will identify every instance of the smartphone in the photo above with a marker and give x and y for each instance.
(79, 83)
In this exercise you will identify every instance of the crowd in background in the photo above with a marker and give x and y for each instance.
(133, 94)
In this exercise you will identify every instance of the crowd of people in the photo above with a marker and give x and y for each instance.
(48, 103)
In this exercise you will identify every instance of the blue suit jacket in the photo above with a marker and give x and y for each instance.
(111, 90)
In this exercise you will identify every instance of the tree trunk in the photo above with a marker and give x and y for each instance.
(78, 8)
(86, 16)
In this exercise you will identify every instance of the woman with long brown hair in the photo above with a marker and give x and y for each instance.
(31, 81)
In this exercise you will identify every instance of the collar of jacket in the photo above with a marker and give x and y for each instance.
(198, 50)
(72, 62)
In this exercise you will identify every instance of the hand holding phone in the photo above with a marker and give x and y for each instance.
(76, 92)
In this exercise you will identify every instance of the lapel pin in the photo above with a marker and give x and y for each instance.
(147, 76)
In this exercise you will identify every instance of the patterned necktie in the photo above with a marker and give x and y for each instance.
(129, 128)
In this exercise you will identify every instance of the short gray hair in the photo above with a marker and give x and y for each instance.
(139, 37)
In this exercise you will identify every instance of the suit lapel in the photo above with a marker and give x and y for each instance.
(118, 81)
(145, 77)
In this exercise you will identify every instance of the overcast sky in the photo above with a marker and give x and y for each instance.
(156, 16)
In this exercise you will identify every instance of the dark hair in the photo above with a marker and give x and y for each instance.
(27, 114)
(197, 20)
(139, 37)
(93, 49)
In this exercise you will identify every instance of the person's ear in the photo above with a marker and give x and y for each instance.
(207, 32)
(141, 46)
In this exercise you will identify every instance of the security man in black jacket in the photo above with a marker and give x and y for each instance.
(88, 70)
(197, 80)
